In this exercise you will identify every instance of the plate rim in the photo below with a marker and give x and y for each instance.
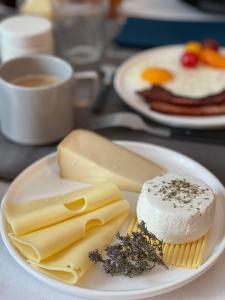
(204, 122)
(88, 292)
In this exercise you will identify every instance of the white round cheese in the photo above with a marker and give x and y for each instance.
(176, 208)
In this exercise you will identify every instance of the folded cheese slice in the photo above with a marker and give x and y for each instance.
(88, 157)
(189, 255)
(45, 242)
(71, 263)
(36, 214)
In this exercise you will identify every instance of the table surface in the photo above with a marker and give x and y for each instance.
(17, 284)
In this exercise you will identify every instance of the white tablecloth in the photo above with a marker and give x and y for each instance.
(17, 284)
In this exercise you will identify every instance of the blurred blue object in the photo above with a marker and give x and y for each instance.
(146, 33)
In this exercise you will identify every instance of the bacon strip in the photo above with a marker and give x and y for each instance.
(173, 109)
(159, 94)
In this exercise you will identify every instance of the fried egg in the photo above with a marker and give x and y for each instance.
(156, 75)
(196, 83)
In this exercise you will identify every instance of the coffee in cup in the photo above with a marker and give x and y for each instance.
(36, 80)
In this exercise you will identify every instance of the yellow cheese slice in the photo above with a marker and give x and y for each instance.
(45, 242)
(88, 157)
(189, 255)
(36, 214)
(70, 264)
(132, 225)
(37, 7)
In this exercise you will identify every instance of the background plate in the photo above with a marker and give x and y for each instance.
(41, 179)
(127, 92)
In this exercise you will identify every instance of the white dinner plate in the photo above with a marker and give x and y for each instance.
(42, 179)
(127, 91)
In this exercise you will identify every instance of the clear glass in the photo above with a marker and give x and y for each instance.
(79, 28)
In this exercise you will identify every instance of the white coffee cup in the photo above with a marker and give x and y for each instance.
(42, 114)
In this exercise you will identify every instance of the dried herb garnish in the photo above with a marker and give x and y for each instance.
(181, 190)
(132, 255)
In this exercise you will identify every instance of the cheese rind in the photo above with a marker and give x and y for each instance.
(88, 157)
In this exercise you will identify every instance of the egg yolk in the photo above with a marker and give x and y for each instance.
(156, 76)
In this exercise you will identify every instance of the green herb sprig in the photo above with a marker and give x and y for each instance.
(134, 254)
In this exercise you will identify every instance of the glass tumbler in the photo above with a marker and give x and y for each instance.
(79, 28)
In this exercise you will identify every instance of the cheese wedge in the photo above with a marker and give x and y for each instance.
(88, 157)
(36, 214)
(45, 242)
(72, 263)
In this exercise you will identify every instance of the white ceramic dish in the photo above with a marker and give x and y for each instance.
(128, 93)
(42, 179)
